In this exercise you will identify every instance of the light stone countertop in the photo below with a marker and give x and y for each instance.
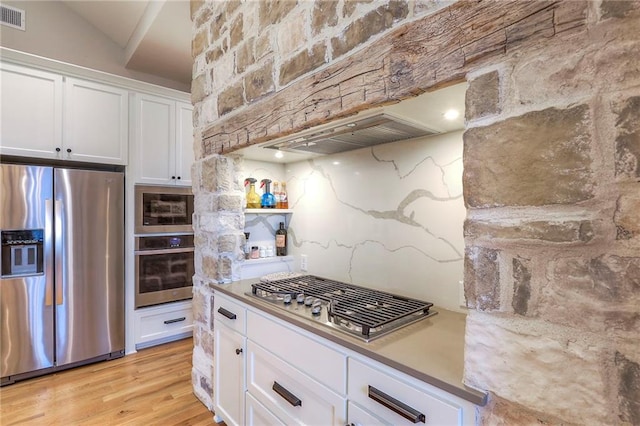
(430, 350)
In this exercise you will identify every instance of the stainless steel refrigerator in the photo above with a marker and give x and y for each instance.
(62, 268)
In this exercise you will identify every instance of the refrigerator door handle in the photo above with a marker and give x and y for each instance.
(59, 242)
(48, 290)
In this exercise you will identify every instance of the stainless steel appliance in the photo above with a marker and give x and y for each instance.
(358, 311)
(62, 268)
(164, 269)
(163, 209)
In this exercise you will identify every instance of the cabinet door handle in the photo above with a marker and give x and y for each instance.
(173, 177)
(396, 406)
(58, 149)
(238, 351)
(288, 396)
(171, 321)
(69, 150)
(227, 314)
(178, 177)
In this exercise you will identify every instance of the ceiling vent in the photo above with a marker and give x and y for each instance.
(12, 17)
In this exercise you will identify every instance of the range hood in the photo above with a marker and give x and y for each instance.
(360, 131)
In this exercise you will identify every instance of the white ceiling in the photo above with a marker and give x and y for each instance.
(155, 35)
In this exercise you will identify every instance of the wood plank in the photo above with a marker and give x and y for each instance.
(151, 387)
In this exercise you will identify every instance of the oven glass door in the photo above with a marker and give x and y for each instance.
(163, 209)
(163, 276)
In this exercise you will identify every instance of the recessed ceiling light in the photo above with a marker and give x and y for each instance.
(279, 154)
(451, 114)
(336, 163)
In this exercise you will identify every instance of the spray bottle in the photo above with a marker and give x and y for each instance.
(268, 201)
(253, 199)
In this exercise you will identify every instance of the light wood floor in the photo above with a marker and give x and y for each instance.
(152, 387)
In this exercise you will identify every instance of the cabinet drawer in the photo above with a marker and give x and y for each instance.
(322, 363)
(156, 323)
(290, 394)
(258, 415)
(229, 313)
(378, 390)
(359, 417)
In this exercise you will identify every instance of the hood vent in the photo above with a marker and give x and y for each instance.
(12, 17)
(355, 133)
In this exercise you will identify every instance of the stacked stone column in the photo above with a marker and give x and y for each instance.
(552, 187)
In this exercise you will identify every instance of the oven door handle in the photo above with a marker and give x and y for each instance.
(164, 251)
(396, 406)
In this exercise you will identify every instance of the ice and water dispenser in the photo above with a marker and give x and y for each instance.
(22, 252)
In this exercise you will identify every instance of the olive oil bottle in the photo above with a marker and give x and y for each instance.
(253, 199)
(284, 199)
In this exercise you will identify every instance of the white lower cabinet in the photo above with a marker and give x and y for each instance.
(229, 374)
(163, 323)
(257, 414)
(229, 360)
(397, 399)
(269, 372)
(291, 395)
(361, 417)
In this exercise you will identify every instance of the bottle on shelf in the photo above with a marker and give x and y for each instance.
(247, 246)
(268, 201)
(281, 241)
(255, 252)
(253, 199)
(276, 194)
(284, 200)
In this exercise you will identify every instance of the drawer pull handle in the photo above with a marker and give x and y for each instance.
(171, 321)
(227, 314)
(396, 406)
(291, 398)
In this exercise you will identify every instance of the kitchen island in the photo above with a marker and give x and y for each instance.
(429, 351)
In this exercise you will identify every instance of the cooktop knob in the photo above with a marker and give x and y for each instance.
(316, 308)
(308, 301)
(287, 299)
(300, 298)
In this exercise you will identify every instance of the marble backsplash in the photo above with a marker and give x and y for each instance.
(388, 217)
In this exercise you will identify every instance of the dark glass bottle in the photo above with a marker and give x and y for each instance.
(281, 241)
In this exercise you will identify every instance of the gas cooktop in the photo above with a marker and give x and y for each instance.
(358, 311)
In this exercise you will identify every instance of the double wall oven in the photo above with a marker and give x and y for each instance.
(164, 246)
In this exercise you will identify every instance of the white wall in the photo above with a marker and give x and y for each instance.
(389, 217)
(55, 31)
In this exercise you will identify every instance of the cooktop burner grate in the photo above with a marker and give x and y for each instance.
(369, 311)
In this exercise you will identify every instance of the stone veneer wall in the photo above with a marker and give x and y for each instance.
(551, 174)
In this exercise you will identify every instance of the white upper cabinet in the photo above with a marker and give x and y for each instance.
(31, 112)
(45, 115)
(164, 140)
(184, 141)
(95, 122)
